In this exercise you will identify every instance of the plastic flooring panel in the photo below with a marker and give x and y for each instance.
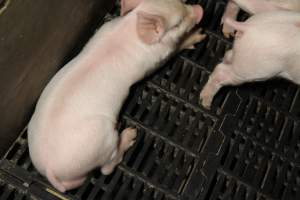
(245, 148)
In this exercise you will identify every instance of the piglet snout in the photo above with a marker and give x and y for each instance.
(198, 13)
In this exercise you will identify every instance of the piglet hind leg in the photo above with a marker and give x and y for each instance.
(127, 139)
(73, 183)
(231, 12)
(63, 186)
(221, 76)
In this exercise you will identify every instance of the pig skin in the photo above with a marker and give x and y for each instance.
(253, 7)
(268, 45)
(72, 130)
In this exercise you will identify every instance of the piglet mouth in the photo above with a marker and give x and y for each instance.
(198, 13)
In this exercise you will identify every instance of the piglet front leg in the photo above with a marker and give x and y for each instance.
(221, 76)
(192, 39)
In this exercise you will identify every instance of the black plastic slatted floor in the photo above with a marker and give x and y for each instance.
(245, 148)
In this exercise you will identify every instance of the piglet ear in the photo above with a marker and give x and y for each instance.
(150, 28)
(128, 5)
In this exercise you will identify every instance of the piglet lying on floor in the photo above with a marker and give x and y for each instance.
(267, 45)
(254, 7)
(73, 130)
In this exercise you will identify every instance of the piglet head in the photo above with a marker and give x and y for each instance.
(158, 20)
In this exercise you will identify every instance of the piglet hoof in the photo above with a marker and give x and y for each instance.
(128, 138)
(199, 36)
(205, 100)
(192, 39)
(107, 169)
(228, 31)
